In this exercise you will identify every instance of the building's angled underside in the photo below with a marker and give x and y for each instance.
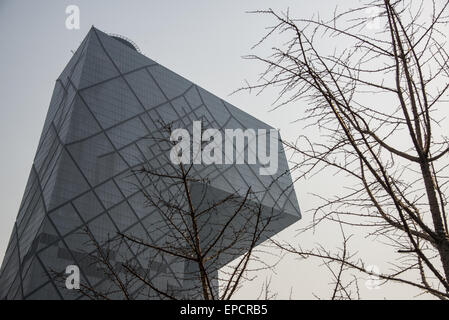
(106, 101)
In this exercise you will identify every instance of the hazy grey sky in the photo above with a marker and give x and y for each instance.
(202, 40)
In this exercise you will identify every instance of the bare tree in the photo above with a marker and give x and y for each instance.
(375, 81)
(203, 239)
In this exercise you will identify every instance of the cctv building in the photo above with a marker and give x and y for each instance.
(105, 104)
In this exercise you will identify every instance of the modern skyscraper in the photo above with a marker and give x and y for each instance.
(106, 102)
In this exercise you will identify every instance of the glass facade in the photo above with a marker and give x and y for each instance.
(106, 103)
